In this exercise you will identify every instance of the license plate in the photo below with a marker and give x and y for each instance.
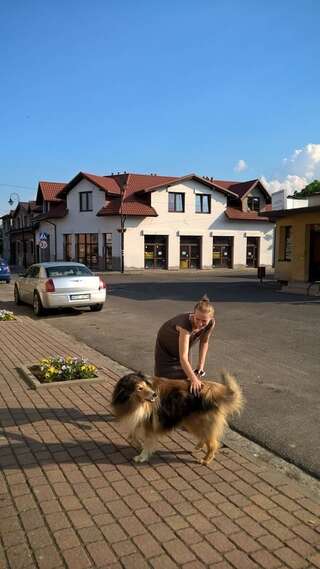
(79, 296)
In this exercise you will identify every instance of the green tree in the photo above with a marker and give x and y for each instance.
(309, 189)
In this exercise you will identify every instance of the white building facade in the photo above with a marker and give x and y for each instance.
(182, 223)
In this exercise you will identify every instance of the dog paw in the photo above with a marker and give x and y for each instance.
(140, 458)
(205, 462)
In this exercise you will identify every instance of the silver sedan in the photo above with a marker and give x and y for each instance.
(60, 284)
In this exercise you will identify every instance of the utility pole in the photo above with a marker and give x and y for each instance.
(122, 229)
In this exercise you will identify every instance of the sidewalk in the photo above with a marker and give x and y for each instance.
(71, 497)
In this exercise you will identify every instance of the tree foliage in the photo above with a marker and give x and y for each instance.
(309, 189)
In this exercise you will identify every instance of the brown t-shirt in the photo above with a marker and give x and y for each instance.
(167, 359)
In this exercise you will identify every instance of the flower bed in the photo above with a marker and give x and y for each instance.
(61, 370)
(6, 315)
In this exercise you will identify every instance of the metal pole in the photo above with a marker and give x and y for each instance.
(122, 222)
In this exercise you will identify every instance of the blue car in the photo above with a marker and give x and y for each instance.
(5, 274)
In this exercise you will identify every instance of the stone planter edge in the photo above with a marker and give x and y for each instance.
(34, 383)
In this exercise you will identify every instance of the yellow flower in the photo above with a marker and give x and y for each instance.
(52, 369)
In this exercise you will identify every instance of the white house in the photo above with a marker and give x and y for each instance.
(187, 222)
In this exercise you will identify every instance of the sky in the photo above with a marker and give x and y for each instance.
(225, 89)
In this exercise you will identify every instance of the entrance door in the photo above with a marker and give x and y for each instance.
(190, 252)
(155, 252)
(222, 252)
(107, 251)
(252, 251)
(314, 268)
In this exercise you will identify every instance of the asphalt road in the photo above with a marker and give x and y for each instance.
(270, 340)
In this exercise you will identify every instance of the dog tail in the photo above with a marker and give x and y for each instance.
(227, 396)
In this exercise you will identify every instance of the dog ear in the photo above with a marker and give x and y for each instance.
(140, 375)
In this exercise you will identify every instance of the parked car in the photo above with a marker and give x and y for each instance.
(60, 284)
(5, 274)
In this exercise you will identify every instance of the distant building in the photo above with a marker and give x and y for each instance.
(297, 243)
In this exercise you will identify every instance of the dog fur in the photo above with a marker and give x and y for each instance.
(151, 407)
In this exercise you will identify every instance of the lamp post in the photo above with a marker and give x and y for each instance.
(122, 229)
(14, 197)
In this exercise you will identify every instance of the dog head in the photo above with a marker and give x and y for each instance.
(133, 387)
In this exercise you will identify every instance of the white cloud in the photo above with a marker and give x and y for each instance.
(301, 168)
(240, 166)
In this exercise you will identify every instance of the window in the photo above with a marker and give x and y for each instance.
(203, 203)
(176, 202)
(68, 271)
(67, 247)
(254, 204)
(285, 245)
(87, 248)
(85, 201)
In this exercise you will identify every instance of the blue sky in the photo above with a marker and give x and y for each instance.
(170, 86)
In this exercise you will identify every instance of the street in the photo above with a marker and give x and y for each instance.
(270, 340)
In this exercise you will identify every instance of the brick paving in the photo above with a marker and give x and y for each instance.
(71, 497)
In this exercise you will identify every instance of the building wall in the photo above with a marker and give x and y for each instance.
(298, 268)
(174, 225)
(77, 221)
(171, 224)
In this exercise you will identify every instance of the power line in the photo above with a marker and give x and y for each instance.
(14, 186)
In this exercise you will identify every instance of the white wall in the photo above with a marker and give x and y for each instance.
(77, 221)
(191, 223)
(171, 224)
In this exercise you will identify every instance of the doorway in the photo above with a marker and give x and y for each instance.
(190, 252)
(252, 251)
(155, 252)
(314, 265)
(222, 252)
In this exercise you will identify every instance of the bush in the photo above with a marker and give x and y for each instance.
(63, 369)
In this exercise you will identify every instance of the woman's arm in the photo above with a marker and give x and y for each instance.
(184, 338)
(203, 348)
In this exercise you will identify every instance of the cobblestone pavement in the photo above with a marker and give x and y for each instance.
(71, 497)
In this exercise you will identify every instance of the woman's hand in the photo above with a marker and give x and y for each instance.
(195, 386)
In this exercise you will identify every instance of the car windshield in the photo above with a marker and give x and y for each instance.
(68, 271)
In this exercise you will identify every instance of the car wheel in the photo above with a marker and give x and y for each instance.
(96, 307)
(17, 298)
(37, 305)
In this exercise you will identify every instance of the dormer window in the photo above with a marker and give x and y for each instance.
(254, 204)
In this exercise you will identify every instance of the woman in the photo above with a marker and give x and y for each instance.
(175, 338)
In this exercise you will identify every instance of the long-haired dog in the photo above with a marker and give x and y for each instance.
(151, 407)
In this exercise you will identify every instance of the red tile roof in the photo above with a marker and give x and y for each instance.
(50, 190)
(130, 207)
(139, 182)
(237, 214)
(105, 183)
(240, 188)
(57, 210)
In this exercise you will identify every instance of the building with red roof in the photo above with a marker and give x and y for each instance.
(154, 222)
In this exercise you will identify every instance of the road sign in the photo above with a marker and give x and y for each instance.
(43, 244)
(43, 237)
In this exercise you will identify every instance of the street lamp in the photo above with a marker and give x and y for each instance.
(14, 197)
(122, 229)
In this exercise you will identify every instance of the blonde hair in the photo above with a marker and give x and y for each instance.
(204, 305)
